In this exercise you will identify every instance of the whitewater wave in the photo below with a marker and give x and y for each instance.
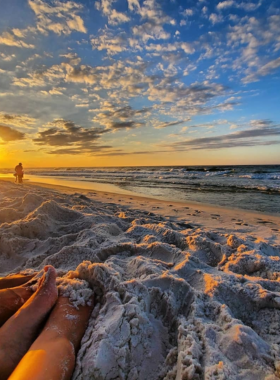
(260, 185)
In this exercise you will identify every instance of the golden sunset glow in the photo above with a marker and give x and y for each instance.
(139, 83)
(139, 189)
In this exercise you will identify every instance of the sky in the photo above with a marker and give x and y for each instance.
(139, 82)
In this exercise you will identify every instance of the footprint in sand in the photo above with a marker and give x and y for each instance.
(185, 225)
(264, 222)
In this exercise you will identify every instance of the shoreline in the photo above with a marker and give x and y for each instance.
(259, 225)
(129, 194)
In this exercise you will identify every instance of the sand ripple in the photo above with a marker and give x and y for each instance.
(174, 301)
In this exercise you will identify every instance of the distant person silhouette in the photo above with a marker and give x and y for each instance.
(19, 173)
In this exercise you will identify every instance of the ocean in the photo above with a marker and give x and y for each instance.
(255, 188)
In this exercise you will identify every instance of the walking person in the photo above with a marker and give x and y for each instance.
(19, 173)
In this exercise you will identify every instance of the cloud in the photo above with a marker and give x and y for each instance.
(64, 72)
(44, 76)
(57, 91)
(58, 17)
(82, 74)
(253, 40)
(82, 105)
(73, 58)
(103, 151)
(9, 134)
(204, 10)
(150, 31)
(154, 19)
(152, 11)
(125, 125)
(6, 57)
(120, 81)
(174, 47)
(213, 124)
(114, 17)
(89, 149)
(65, 133)
(127, 78)
(110, 41)
(116, 118)
(261, 123)
(188, 96)
(247, 6)
(171, 124)
(187, 12)
(10, 39)
(264, 70)
(143, 63)
(54, 91)
(112, 154)
(117, 18)
(23, 121)
(215, 18)
(111, 111)
(133, 5)
(225, 4)
(249, 137)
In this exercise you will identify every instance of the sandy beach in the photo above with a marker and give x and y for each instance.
(184, 291)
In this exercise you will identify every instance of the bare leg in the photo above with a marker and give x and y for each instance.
(13, 295)
(14, 280)
(18, 333)
(52, 355)
(11, 300)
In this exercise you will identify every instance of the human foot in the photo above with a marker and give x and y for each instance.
(14, 280)
(52, 355)
(11, 300)
(18, 333)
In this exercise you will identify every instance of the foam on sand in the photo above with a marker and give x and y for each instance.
(173, 301)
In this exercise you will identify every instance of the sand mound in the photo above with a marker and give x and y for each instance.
(173, 301)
